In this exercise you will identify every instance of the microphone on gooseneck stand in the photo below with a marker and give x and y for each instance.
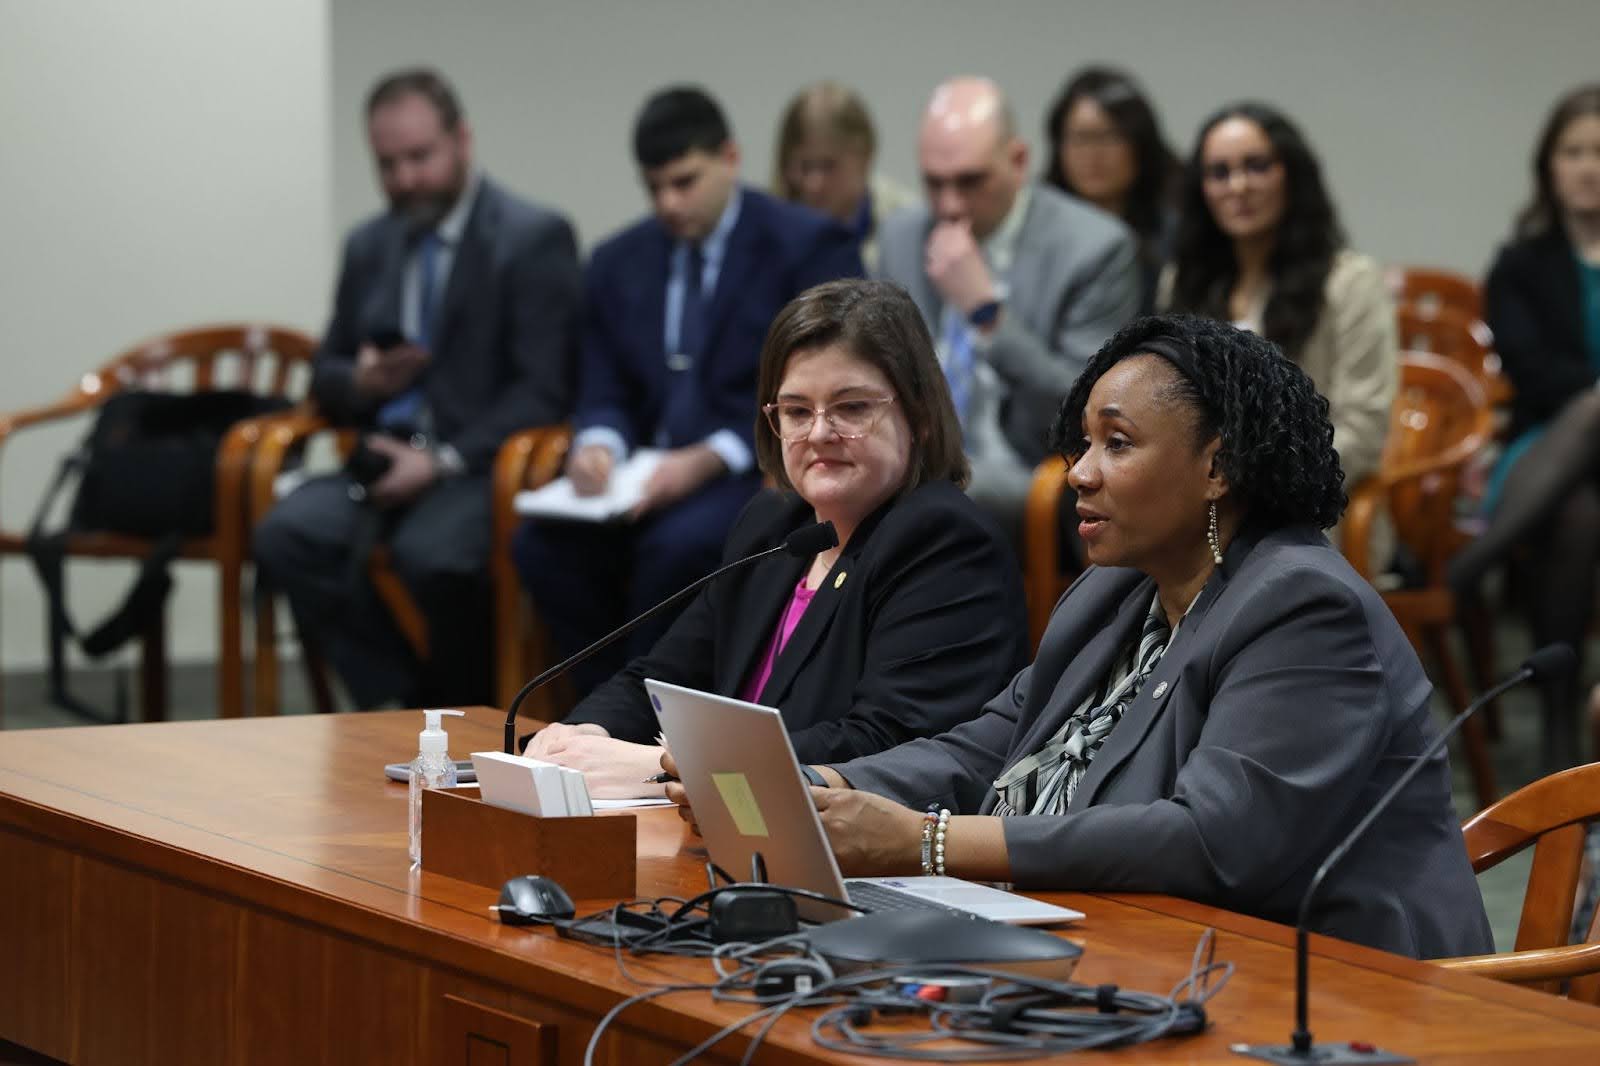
(1550, 661)
(805, 541)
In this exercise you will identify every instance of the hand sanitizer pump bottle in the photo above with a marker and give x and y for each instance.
(431, 768)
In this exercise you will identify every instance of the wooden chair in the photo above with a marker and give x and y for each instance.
(1431, 288)
(1551, 815)
(260, 358)
(1445, 331)
(1047, 567)
(1439, 421)
(527, 460)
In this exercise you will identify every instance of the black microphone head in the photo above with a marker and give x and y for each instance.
(809, 540)
(1551, 661)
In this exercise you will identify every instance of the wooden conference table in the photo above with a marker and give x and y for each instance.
(237, 891)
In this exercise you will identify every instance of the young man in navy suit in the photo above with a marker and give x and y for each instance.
(676, 308)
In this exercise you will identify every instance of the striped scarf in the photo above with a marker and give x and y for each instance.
(1046, 781)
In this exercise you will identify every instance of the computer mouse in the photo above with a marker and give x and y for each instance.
(530, 898)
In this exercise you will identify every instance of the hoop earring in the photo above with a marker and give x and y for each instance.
(1211, 533)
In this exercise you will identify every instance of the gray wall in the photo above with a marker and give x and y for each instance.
(164, 163)
(178, 161)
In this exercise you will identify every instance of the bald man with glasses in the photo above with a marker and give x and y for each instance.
(1018, 283)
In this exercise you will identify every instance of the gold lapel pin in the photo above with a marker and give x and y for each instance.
(840, 579)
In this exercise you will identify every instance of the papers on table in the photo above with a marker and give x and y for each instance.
(531, 786)
(544, 789)
(559, 500)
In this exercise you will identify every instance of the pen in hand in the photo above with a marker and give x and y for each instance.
(663, 777)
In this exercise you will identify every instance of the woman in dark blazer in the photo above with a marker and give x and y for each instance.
(901, 631)
(1543, 304)
(1217, 700)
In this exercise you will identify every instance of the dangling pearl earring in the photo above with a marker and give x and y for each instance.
(1211, 533)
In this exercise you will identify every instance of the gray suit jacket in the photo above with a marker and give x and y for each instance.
(1288, 701)
(506, 349)
(1074, 281)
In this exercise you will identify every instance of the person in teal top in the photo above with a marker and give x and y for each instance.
(1543, 303)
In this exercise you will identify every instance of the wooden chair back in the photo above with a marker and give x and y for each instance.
(1439, 421)
(1431, 288)
(1047, 564)
(1551, 815)
(526, 461)
(1446, 331)
(264, 359)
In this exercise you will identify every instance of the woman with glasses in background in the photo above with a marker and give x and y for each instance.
(903, 630)
(1106, 147)
(1259, 245)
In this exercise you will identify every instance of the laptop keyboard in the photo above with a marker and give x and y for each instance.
(875, 897)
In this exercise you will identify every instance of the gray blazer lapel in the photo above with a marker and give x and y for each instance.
(1148, 706)
(1033, 274)
(1084, 672)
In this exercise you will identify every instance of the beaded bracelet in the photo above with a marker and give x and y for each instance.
(938, 841)
(928, 821)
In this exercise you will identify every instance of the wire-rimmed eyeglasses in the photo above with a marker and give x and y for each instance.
(850, 419)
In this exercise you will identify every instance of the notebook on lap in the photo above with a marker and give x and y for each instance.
(749, 796)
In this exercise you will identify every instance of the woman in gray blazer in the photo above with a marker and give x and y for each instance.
(1217, 700)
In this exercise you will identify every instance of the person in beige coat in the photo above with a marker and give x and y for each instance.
(1260, 245)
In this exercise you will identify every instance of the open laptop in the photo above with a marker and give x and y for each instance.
(749, 796)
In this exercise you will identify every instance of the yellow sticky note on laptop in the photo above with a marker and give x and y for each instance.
(740, 800)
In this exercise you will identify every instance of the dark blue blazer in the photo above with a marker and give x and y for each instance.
(775, 252)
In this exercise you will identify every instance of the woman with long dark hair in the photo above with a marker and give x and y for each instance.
(1543, 303)
(1106, 147)
(1260, 245)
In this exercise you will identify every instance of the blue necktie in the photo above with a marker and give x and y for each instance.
(404, 411)
(692, 316)
(680, 409)
(958, 361)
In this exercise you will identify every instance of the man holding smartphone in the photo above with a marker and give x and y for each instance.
(454, 326)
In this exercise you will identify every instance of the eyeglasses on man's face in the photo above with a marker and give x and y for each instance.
(851, 419)
(1253, 167)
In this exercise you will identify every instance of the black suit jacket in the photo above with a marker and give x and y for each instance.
(919, 622)
(507, 339)
(1535, 308)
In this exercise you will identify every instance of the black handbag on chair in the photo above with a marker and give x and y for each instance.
(147, 469)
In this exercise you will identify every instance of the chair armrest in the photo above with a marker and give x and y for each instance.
(1355, 529)
(527, 460)
(1528, 967)
(1041, 542)
(92, 391)
(280, 434)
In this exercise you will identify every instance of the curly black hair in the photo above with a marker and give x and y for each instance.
(1277, 441)
(1309, 236)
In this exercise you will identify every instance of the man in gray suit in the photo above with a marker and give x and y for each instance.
(454, 325)
(1019, 284)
